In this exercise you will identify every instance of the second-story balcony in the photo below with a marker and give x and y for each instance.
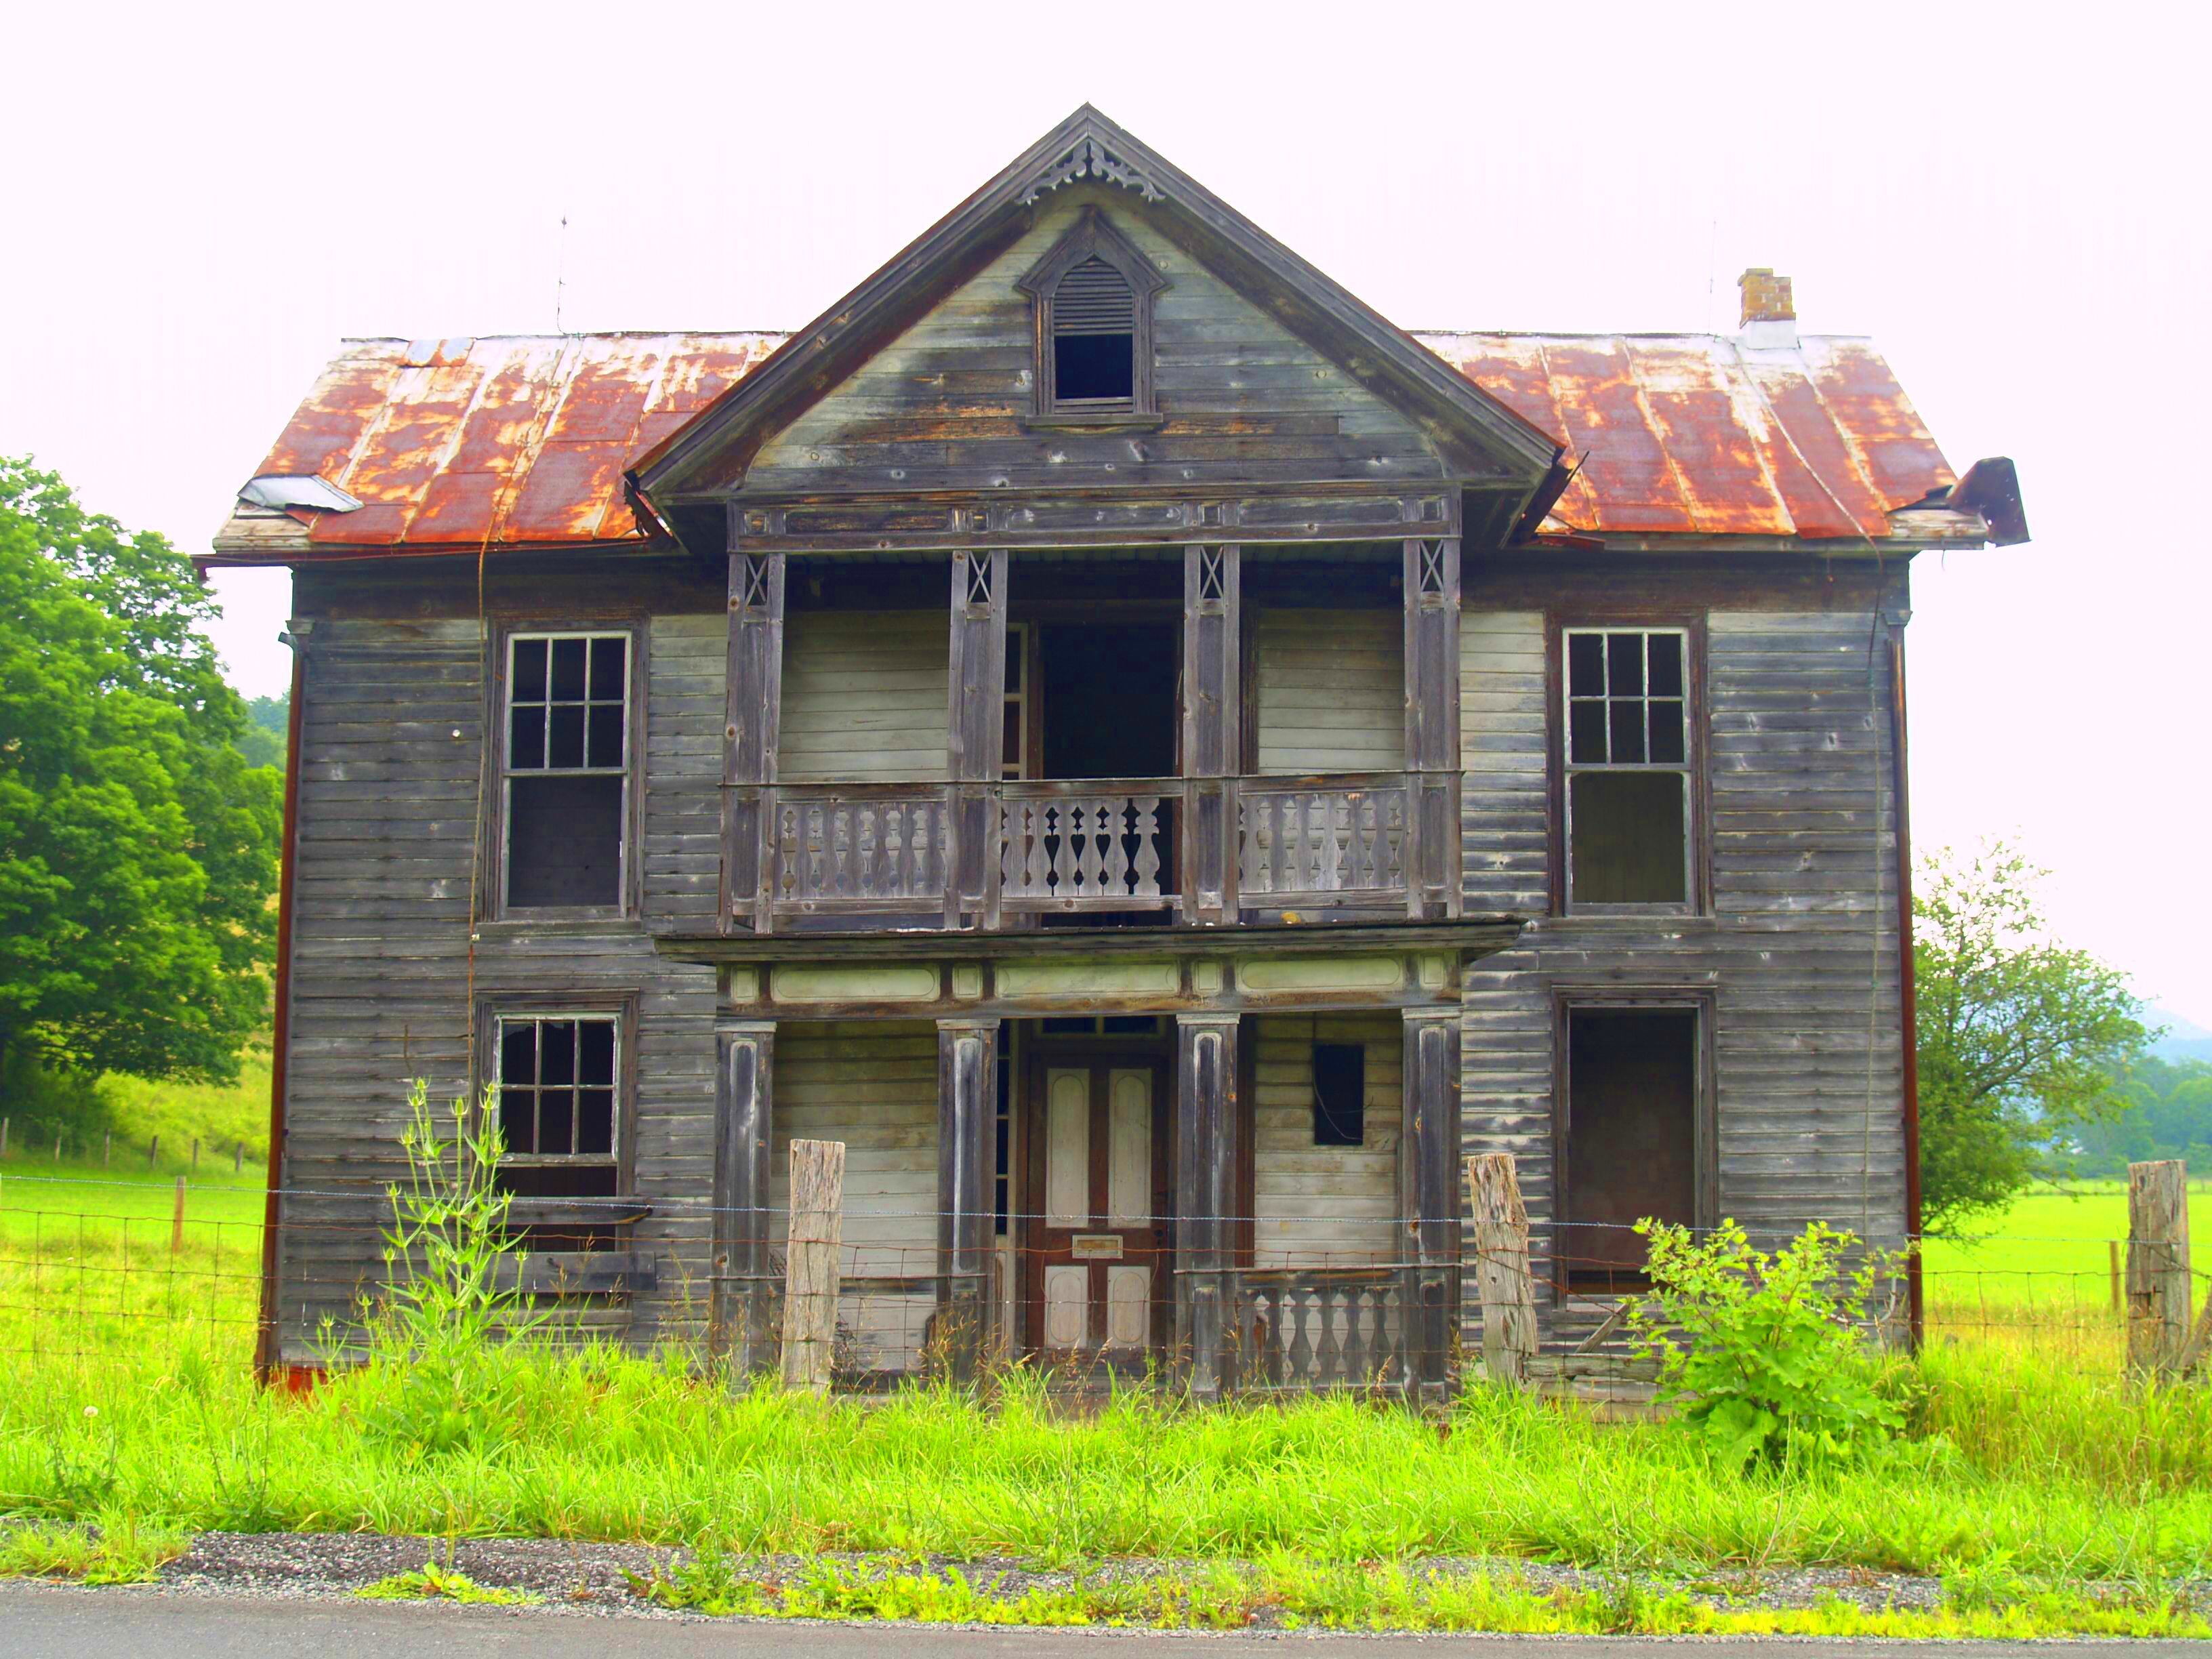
(1122, 851)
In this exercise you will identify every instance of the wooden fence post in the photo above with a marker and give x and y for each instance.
(106, 1148)
(1501, 1267)
(817, 1237)
(2120, 1300)
(3, 1137)
(2158, 1266)
(238, 1159)
(196, 1154)
(177, 1222)
(153, 1152)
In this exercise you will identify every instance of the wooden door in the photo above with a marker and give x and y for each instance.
(1099, 1246)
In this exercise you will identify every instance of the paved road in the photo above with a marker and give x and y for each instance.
(39, 1621)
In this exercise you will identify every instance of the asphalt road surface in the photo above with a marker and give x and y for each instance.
(39, 1621)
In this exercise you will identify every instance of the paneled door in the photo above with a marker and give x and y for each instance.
(1098, 1243)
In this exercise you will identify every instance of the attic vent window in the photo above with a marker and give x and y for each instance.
(1093, 295)
(1094, 337)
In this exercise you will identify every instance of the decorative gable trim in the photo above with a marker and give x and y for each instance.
(1090, 157)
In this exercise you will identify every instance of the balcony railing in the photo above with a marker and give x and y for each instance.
(1346, 841)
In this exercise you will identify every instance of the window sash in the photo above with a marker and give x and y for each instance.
(570, 1093)
(587, 703)
(1640, 699)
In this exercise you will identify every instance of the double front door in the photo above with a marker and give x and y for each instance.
(1098, 1246)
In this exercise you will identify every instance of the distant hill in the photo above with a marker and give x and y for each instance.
(2185, 1038)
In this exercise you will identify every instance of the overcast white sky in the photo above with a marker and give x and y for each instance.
(2011, 201)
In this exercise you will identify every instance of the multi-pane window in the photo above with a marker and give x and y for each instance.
(1628, 742)
(568, 769)
(556, 1087)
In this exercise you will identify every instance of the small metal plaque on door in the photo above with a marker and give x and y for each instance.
(1098, 1247)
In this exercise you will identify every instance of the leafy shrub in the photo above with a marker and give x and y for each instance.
(1764, 1352)
(441, 1376)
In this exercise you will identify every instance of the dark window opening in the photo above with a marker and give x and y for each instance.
(1094, 335)
(1090, 369)
(557, 1088)
(1627, 765)
(1627, 837)
(567, 759)
(1339, 1097)
(1631, 1141)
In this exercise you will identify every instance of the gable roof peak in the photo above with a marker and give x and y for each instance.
(1093, 147)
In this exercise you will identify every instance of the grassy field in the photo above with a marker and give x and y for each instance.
(125, 1405)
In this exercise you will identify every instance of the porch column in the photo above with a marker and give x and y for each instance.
(1433, 756)
(1212, 727)
(976, 730)
(1431, 1106)
(744, 1091)
(1206, 1195)
(967, 1103)
(755, 693)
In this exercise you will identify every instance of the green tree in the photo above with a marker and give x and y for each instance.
(138, 846)
(267, 730)
(2020, 1040)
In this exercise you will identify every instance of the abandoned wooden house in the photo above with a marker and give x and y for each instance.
(1160, 762)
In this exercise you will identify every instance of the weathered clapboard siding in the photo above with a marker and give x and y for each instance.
(1325, 1205)
(1329, 690)
(871, 1084)
(686, 667)
(940, 406)
(380, 952)
(1800, 950)
(864, 697)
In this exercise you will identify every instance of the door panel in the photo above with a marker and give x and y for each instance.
(1097, 1245)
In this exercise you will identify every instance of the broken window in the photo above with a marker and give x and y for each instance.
(568, 769)
(1628, 755)
(1340, 1094)
(1631, 1147)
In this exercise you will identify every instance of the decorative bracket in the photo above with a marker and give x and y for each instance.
(1089, 158)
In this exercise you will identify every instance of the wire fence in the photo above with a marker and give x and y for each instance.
(98, 1270)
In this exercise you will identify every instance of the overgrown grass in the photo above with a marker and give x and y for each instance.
(2052, 1247)
(600, 1445)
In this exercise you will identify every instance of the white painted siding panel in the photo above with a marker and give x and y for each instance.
(1330, 689)
(1324, 1206)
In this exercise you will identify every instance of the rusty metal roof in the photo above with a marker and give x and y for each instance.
(523, 440)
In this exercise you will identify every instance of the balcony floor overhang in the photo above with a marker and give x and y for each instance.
(938, 975)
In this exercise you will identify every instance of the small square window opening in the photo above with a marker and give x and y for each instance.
(1339, 1101)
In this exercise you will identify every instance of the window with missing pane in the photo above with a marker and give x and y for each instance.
(567, 770)
(557, 1092)
(1628, 732)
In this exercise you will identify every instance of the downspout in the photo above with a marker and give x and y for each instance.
(1907, 994)
(265, 1343)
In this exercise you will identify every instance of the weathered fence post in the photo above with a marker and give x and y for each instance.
(177, 1222)
(1501, 1267)
(238, 1159)
(817, 1237)
(58, 1145)
(196, 1154)
(2120, 1300)
(106, 1148)
(3, 1137)
(153, 1152)
(2158, 1266)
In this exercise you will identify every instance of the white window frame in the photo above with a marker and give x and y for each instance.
(1686, 766)
(508, 771)
(612, 1157)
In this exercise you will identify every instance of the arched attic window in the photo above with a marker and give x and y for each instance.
(1093, 299)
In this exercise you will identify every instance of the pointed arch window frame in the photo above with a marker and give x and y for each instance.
(1094, 236)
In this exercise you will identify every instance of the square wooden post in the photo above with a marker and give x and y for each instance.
(744, 1093)
(967, 1108)
(812, 1264)
(1212, 727)
(1507, 1287)
(975, 731)
(1433, 739)
(749, 737)
(1432, 1085)
(1206, 1085)
(2158, 1266)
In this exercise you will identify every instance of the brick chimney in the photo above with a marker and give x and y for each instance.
(1770, 317)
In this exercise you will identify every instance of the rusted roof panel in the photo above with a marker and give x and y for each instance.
(523, 440)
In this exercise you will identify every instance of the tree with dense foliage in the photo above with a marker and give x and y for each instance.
(138, 846)
(267, 730)
(2169, 1115)
(2021, 1041)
